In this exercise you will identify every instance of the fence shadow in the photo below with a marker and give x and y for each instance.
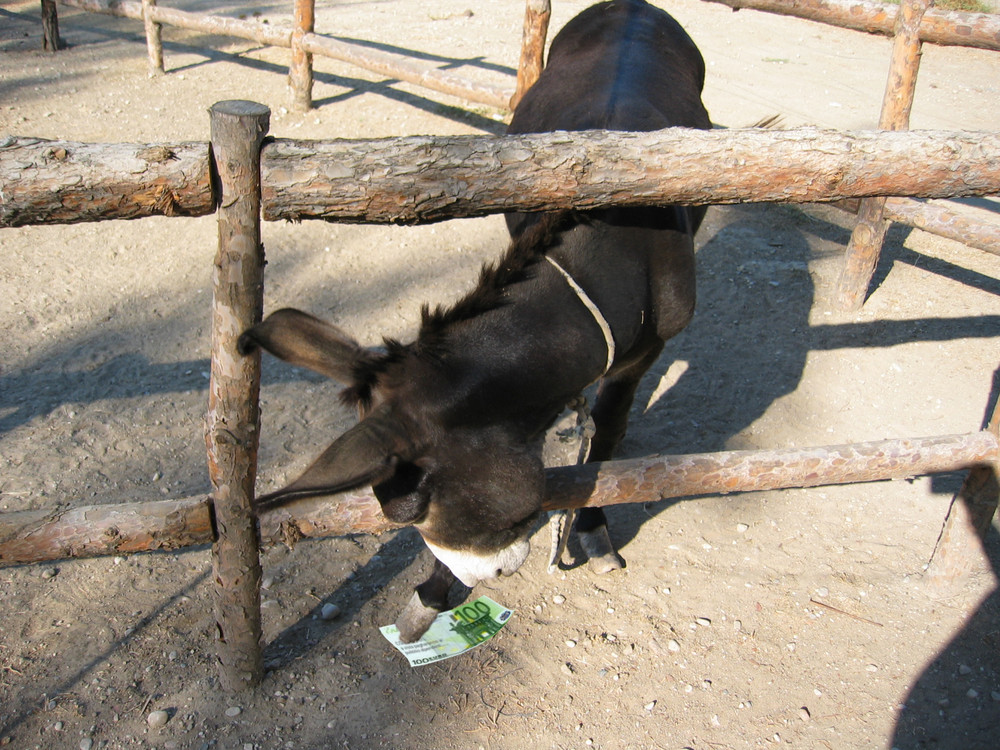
(73, 673)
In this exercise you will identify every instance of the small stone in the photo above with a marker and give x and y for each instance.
(58, 726)
(570, 643)
(673, 645)
(995, 695)
(233, 711)
(973, 693)
(737, 625)
(715, 721)
(823, 591)
(267, 582)
(567, 669)
(558, 599)
(86, 743)
(50, 573)
(703, 621)
(872, 667)
(329, 611)
(804, 714)
(742, 527)
(157, 719)
(650, 706)
(964, 669)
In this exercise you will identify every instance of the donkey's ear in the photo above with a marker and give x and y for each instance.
(305, 341)
(368, 453)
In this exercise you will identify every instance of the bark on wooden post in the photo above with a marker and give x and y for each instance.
(865, 245)
(238, 129)
(536, 25)
(50, 27)
(300, 73)
(154, 38)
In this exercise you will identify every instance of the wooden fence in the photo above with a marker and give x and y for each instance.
(302, 40)
(62, 182)
(911, 23)
(59, 182)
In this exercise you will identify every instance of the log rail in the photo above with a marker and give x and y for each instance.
(86, 531)
(302, 40)
(428, 178)
(943, 27)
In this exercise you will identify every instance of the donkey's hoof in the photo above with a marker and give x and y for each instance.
(605, 563)
(415, 619)
(599, 550)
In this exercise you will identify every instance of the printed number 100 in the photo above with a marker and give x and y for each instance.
(471, 612)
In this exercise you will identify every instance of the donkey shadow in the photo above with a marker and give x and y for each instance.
(745, 347)
(955, 702)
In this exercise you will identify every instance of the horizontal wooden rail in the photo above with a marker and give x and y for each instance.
(362, 56)
(60, 182)
(955, 28)
(429, 178)
(405, 69)
(942, 221)
(935, 218)
(38, 535)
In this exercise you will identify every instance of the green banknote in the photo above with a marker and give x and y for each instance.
(453, 632)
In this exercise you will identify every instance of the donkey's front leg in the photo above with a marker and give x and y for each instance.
(428, 601)
(610, 413)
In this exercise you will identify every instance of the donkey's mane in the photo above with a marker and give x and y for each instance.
(525, 250)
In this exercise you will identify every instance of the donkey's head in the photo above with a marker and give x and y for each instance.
(471, 488)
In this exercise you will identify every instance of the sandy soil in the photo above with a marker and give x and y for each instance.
(795, 617)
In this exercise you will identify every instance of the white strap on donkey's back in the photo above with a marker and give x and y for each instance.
(599, 318)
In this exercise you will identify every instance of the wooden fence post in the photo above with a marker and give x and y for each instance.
(866, 241)
(154, 38)
(536, 25)
(233, 418)
(300, 72)
(50, 27)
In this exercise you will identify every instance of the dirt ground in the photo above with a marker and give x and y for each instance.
(794, 617)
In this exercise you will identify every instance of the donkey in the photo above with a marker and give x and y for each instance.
(449, 436)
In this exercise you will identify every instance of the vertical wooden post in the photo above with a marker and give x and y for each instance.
(50, 27)
(154, 39)
(969, 517)
(231, 429)
(536, 26)
(300, 73)
(865, 245)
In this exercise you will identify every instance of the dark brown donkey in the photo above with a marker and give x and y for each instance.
(450, 428)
